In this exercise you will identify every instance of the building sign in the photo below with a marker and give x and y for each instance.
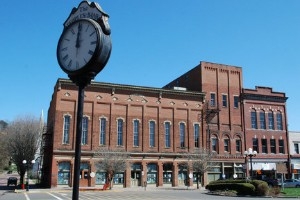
(281, 168)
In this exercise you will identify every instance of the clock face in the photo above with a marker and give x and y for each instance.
(77, 45)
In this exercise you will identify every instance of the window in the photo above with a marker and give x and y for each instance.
(236, 101)
(182, 134)
(167, 134)
(224, 100)
(226, 145)
(279, 121)
(120, 132)
(273, 145)
(66, 136)
(152, 133)
(262, 120)
(255, 144)
(281, 146)
(253, 119)
(238, 144)
(296, 148)
(84, 137)
(214, 144)
(264, 146)
(196, 135)
(212, 99)
(136, 133)
(271, 120)
(102, 131)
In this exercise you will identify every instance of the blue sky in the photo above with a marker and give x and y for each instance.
(154, 41)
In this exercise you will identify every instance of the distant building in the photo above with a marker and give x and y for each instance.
(207, 107)
(294, 141)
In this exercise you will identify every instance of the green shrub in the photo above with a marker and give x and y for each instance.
(255, 187)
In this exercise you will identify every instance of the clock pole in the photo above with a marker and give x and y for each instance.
(81, 82)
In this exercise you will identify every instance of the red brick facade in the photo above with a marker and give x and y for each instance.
(214, 100)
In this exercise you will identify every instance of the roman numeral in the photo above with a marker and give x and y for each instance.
(65, 58)
(91, 52)
(70, 63)
(64, 49)
(72, 31)
(92, 33)
(93, 42)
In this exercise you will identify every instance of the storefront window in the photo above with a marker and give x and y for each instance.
(152, 173)
(118, 178)
(63, 173)
(100, 178)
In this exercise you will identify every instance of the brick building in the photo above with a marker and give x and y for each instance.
(207, 107)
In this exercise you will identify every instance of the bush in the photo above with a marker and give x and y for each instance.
(255, 188)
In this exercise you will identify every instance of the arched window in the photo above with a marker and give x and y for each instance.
(270, 120)
(152, 133)
(253, 119)
(214, 143)
(196, 135)
(102, 130)
(226, 144)
(84, 138)
(238, 144)
(262, 119)
(279, 120)
(120, 132)
(167, 134)
(182, 134)
(66, 133)
(136, 133)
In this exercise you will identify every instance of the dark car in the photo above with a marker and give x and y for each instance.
(12, 181)
(271, 182)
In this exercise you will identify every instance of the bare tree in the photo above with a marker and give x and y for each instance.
(4, 156)
(111, 161)
(22, 141)
(201, 160)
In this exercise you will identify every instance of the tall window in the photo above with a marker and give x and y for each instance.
(66, 136)
(262, 120)
(253, 119)
(167, 134)
(182, 134)
(236, 101)
(102, 131)
(279, 121)
(120, 132)
(255, 144)
(273, 145)
(226, 144)
(212, 99)
(264, 146)
(214, 143)
(196, 135)
(296, 148)
(136, 133)
(84, 137)
(224, 100)
(281, 146)
(238, 144)
(152, 133)
(271, 120)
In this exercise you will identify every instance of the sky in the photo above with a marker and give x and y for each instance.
(153, 42)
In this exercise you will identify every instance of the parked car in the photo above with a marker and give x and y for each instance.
(271, 182)
(291, 183)
(12, 181)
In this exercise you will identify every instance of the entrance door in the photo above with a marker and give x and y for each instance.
(136, 178)
(84, 178)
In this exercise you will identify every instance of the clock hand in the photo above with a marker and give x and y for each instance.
(78, 36)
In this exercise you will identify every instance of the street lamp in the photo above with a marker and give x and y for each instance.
(27, 165)
(250, 153)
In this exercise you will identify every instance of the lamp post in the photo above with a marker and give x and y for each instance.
(27, 165)
(250, 153)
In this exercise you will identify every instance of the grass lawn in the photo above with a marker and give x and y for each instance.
(294, 192)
